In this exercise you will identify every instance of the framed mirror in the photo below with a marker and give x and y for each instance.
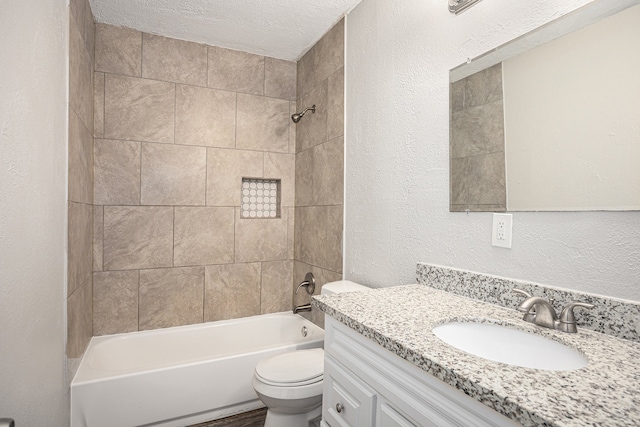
(551, 120)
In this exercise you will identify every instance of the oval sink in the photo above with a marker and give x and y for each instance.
(511, 346)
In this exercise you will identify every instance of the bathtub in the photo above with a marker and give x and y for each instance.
(182, 375)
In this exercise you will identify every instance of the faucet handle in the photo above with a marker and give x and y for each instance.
(530, 315)
(520, 291)
(567, 320)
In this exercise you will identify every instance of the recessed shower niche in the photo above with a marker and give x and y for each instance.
(260, 198)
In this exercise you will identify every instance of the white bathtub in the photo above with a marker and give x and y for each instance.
(183, 375)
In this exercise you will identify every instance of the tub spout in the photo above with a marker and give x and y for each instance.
(299, 308)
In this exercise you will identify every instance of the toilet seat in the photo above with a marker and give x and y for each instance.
(294, 369)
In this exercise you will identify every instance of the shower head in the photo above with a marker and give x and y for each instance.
(297, 116)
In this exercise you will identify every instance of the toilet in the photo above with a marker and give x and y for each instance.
(290, 384)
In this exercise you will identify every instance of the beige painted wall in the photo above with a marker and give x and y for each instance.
(178, 125)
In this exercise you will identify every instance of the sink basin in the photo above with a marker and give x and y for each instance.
(511, 346)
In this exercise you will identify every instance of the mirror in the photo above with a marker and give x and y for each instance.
(551, 120)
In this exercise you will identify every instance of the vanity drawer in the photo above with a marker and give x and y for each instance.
(346, 401)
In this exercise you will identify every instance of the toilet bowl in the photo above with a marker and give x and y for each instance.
(290, 384)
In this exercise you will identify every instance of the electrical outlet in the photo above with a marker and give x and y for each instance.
(501, 230)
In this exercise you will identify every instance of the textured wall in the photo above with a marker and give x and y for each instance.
(80, 182)
(320, 164)
(177, 126)
(33, 152)
(397, 159)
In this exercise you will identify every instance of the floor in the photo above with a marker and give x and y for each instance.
(246, 419)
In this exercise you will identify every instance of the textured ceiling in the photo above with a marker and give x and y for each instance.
(283, 29)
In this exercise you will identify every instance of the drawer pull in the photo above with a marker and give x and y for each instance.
(339, 408)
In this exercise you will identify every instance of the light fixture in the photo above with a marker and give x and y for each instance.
(459, 6)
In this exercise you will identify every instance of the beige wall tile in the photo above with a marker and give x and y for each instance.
(275, 291)
(261, 239)
(456, 95)
(118, 50)
(225, 170)
(478, 130)
(236, 71)
(174, 60)
(305, 164)
(205, 117)
(311, 236)
(80, 161)
(292, 128)
(80, 77)
(280, 78)
(458, 192)
(80, 258)
(171, 297)
(203, 236)
(322, 60)
(117, 172)
(139, 109)
(115, 302)
(173, 175)
(231, 291)
(283, 167)
(98, 237)
(328, 173)
(98, 105)
(290, 232)
(79, 320)
(335, 105)
(486, 179)
(89, 34)
(312, 129)
(305, 73)
(483, 87)
(137, 237)
(333, 246)
(263, 123)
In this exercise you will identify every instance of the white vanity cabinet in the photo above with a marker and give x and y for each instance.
(366, 385)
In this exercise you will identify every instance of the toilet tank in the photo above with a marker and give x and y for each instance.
(341, 286)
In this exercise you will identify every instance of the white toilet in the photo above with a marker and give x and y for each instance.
(290, 384)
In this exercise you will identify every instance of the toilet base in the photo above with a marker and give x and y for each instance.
(306, 419)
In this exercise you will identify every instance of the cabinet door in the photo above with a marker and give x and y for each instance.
(346, 401)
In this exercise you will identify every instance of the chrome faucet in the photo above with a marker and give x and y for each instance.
(539, 311)
(305, 307)
(309, 284)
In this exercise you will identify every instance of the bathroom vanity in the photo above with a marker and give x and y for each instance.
(384, 367)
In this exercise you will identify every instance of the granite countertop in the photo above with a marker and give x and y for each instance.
(604, 393)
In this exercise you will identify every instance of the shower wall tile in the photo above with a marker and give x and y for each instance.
(139, 109)
(311, 236)
(283, 167)
(456, 95)
(137, 237)
(486, 179)
(322, 60)
(292, 128)
(263, 123)
(328, 172)
(171, 297)
(275, 290)
(231, 291)
(478, 130)
(80, 235)
(174, 60)
(115, 302)
(173, 175)
(98, 237)
(225, 170)
(79, 319)
(205, 117)
(280, 78)
(305, 191)
(80, 76)
(333, 245)
(458, 191)
(89, 32)
(203, 236)
(261, 239)
(312, 129)
(483, 87)
(291, 224)
(236, 71)
(335, 105)
(118, 50)
(98, 105)
(80, 161)
(116, 172)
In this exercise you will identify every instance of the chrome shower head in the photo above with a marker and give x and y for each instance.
(297, 116)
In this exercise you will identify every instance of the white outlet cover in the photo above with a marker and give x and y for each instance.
(507, 220)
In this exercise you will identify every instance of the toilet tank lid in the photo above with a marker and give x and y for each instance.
(341, 286)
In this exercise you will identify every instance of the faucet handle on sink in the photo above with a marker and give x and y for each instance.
(531, 314)
(567, 320)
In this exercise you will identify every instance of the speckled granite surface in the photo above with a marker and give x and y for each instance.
(605, 393)
(612, 316)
